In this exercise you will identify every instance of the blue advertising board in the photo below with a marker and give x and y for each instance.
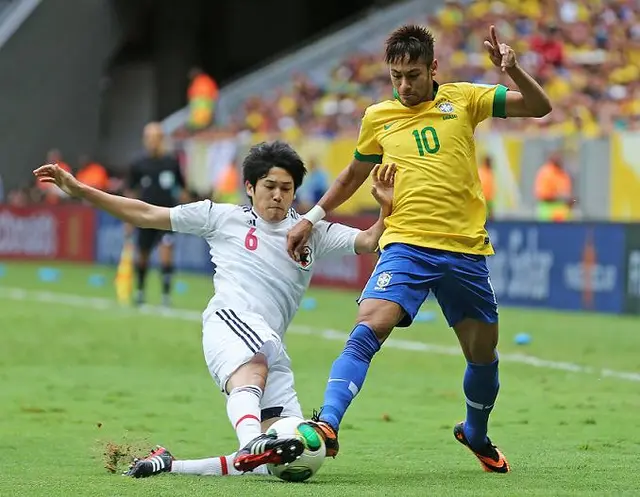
(191, 253)
(562, 266)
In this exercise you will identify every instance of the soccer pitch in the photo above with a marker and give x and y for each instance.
(78, 372)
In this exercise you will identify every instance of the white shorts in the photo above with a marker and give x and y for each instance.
(231, 339)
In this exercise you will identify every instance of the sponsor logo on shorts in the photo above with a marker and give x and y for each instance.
(383, 281)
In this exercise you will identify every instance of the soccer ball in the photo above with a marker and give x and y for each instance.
(311, 459)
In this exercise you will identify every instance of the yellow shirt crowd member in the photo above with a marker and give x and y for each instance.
(438, 197)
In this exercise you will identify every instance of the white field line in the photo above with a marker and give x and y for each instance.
(102, 304)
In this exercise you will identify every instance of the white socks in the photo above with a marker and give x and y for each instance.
(243, 409)
(213, 466)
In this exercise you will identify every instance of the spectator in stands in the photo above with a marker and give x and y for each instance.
(92, 173)
(315, 184)
(553, 191)
(202, 96)
(488, 184)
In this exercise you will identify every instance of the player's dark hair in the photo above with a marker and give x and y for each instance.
(263, 156)
(411, 43)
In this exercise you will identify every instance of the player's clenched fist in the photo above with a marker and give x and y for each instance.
(501, 54)
(383, 177)
(52, 173)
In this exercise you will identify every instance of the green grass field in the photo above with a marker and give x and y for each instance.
(78, 372)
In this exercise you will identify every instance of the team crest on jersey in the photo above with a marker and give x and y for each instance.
(447, 109)
(306, 258)
(383, 281)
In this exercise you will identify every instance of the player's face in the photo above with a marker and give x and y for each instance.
(413, 80)
(273, 195)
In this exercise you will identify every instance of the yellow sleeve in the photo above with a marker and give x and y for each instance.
(484, 101)
(368, 149)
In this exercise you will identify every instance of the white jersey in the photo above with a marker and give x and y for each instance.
(252, 269)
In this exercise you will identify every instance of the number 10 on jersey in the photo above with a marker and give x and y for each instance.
(426, 140)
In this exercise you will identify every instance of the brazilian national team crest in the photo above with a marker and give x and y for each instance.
(306, 258)
(383, 281)
(447, 110)
(446, 107)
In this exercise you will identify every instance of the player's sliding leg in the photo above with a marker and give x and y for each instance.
(161, 461)
(214, 466)
(166, 267)
(376, 320)
(243, 409)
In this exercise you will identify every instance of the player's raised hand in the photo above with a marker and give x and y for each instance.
(383, 177)
(52, 173)
(501, 54)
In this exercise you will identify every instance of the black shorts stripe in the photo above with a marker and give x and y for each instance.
(252, 347)
(242, 327)
(246, 327)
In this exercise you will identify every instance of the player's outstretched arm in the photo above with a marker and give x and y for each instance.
(342, 189)
(382, 190)
(128, 210)
(531, 100)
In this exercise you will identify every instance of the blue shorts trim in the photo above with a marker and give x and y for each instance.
(406, 274)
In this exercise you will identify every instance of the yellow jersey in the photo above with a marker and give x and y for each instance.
(438, 200)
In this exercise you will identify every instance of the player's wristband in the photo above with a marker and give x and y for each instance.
(315, 214)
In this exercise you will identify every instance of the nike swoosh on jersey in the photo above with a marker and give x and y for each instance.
(387, 126)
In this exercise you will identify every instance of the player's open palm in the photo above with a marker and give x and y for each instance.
(52, 173)
(501, 54)
(383, 177)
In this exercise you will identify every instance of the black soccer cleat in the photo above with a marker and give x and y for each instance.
(158, 461)
(268, 449)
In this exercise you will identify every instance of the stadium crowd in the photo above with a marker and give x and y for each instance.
(585, 53)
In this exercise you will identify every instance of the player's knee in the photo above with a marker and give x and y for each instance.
(253, 372)
(380, 315)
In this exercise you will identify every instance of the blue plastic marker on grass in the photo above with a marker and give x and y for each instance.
(181, 287)
(425, 317)
(522, 339)
(48, 274)
(309, 304)
(97, 280)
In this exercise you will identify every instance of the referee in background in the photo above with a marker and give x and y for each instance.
(155, 178)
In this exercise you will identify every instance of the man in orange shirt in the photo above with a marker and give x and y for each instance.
(485, 172)
(202, 95)
(553, 189)
(92, 173)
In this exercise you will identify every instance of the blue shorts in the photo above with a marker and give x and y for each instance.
(405, 274)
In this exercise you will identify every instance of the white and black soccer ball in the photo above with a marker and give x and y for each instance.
(311, 459)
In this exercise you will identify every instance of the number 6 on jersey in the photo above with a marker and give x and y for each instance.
(251, 240)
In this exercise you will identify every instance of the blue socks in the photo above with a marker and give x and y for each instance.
(348, 373)
(481, 390)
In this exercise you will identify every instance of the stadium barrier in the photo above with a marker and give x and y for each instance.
(64, 233)
(566, 266)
